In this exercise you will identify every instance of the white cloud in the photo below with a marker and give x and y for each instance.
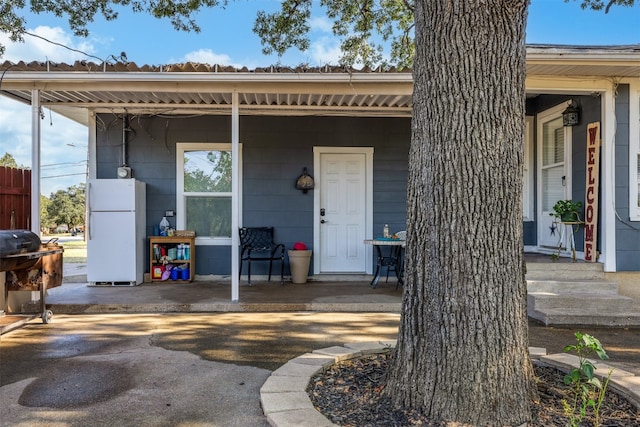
(321, 23)
(15, 134)
(38, 49)
(207, 56)
(325, 51)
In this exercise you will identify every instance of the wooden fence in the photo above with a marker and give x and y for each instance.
(15, 198)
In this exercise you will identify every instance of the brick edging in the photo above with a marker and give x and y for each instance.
(285, 401)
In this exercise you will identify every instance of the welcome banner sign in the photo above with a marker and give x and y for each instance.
(591, 205)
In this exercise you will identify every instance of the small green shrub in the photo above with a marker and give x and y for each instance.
(588, 391)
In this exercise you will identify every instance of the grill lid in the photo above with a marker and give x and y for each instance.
(14, 242)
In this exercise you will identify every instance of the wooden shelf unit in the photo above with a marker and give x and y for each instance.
(172, 242)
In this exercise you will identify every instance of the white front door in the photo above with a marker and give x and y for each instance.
(342, 212)
(554, 172)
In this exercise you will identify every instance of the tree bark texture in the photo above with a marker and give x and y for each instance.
(462, 352)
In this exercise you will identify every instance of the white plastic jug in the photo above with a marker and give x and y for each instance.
(164, 226)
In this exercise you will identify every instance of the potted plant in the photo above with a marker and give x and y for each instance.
(299, 260)
(567, 211)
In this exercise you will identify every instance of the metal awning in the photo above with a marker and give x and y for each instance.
(145, 92)
(72, 90)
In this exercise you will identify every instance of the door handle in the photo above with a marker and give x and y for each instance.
(322, 221)
(564, 181)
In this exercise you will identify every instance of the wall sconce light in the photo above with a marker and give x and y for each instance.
(571, 115)
(305, 182)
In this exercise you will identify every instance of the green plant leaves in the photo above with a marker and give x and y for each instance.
(588, 370)
(567, 210)
(588, 391)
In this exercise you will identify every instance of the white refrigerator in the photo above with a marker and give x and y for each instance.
(116, 232)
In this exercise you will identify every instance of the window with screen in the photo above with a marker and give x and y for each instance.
(204, 189)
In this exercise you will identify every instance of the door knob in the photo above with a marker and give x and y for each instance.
(322, 221)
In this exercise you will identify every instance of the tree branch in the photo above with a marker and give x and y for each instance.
(611, 3)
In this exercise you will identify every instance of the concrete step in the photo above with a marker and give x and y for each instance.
(568, 286)
(565, 317)
(597, 304)
(577, 300)
(562, 270)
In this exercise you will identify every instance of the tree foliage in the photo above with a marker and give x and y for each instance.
(67, 207)
(8, 161)
(364, 27)
(603, 4)
(45, 220)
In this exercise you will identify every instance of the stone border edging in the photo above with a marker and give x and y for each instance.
(624, 382)
(285, 401)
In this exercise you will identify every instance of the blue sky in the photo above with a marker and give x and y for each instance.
(226, 38)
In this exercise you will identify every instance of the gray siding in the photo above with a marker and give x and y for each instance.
(590, 112)
(275, 150)
(627, 234)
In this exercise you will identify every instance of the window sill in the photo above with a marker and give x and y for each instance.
(213, 241)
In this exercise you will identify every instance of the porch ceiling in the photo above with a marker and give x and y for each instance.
(73, 90)
(71, 93)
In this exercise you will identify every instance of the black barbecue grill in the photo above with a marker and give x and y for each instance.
(20, 250)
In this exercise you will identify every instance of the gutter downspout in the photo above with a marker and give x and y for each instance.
(125, 141)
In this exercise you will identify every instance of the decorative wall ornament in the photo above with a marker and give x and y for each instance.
(305, 181)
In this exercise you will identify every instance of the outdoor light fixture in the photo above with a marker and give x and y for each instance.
(305, 182)
(571, 115)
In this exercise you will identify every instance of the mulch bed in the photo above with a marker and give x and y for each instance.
(349, 394)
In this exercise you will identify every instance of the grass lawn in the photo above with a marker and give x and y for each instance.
(74, 251)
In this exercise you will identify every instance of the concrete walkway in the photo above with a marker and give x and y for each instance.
(283, 396)
(280, 350)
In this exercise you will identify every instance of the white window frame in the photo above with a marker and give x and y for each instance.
(634, 150)
(181, 147)
(528, 213)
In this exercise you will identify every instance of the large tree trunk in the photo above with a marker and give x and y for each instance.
(462, 347)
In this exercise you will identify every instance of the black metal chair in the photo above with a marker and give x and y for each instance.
(256, 244)
(393, 261)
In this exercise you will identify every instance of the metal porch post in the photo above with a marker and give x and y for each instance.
(35, 161)
(608, 245)
(235, 196)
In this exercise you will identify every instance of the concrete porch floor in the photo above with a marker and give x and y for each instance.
(321, 294)
(215, 296)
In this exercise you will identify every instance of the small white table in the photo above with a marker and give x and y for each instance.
(394, 260)
(568, 226)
